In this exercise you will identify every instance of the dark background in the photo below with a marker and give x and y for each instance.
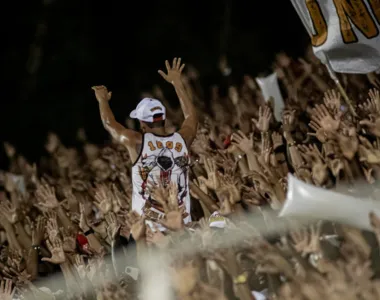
(54, 51)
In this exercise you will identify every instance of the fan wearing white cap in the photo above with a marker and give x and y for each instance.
(159, 157)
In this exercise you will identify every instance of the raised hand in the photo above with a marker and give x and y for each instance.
(57, 254)
(201, 183)
(212, 181)
(103, 198)
(355, 237)
(137, 225)
(231, 186)
(69, 240)
(173, 213)
(311, 153)
(367, 152)
(307, 242)
(288, 120)
(332, 101)
(130, 219)
(184, 279)
(113, 226)
(322, 117)
(46, 198)
(320, 134)
(372, 105)
(70, 200)
(173, 72)
(174, 219)
(348, 142)
(156, 237)
(227, 203)
(173, 197)
(277, 140)
(80, 266)
(52, 226)
(10, 150)
(234, 95)
(244, 143)
(15, 260)
(159, 193)
(374, 95)
(265, 116)
(251, 196)
(125, 230)
(373, 125)
(9, 183)
(38, 231)
(266, 151)
(119, 200)
(101, 93)
(201, 144)
(6, 290)
(319, 168)
(83, 223)
(9, 211)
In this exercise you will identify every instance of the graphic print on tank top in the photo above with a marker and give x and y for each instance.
(163, 160)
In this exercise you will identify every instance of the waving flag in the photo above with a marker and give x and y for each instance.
(344, 33)
(270, 89)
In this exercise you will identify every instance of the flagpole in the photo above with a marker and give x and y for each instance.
(325, 60)
(338, 84)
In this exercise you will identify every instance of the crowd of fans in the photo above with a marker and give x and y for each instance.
(70, 213)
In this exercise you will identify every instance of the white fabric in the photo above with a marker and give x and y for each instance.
(345, 56)
(314, 203)
(19, 182)
(147, 108)
(270, 89)
(163, 159)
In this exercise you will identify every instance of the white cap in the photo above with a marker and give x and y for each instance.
(147, 108)
(216, 220)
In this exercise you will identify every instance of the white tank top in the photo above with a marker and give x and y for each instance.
(165, 159)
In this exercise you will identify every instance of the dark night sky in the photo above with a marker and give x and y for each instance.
(121, 44)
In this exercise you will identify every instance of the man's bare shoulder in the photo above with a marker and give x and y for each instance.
(130, 137)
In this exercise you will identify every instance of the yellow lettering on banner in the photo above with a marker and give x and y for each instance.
(151, 146)
(178, 147)
(159, 145)
(355, 11)
(375, 7)
(169, 145)
(319, 23)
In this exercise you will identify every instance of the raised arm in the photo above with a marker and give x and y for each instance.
(125, 136)
(173, 76)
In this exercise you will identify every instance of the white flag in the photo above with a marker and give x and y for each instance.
(270, 89)
(311, 202)
(346, 31)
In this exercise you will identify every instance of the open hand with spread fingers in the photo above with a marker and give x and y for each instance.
(46, 197)
(57, 254)
(173, 72)
(103, 198)
(6, 290)
(265, 116)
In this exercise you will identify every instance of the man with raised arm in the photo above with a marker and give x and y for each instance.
(159, 157)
